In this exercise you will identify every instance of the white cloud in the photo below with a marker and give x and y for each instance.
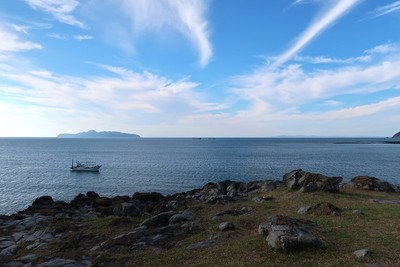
(387, 9)
(321, 24)
(60, 9)
(83, 37)
(285, 90)
(11, 42)
(21, 28)
(188, 18)
(132, 97)
(57, 36)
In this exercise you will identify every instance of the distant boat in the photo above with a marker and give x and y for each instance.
(85, 167)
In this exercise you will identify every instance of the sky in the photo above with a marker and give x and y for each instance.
(192, 68)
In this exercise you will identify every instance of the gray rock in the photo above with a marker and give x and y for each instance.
(60, 262)
(160, 219)
(19, 236)
(309, 182)
(288, 234)
(6, 244)
(28, 258)
(263, 199)
(226, 226)
(325, 208)
(181, 217)
(303, 210)
(202, 245)
(9, 251)
(374, 184)
(127, 209)
(15, 264)
(357, 212)
(361, 253)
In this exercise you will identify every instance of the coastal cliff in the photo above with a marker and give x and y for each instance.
(227, 223)
(94, 134)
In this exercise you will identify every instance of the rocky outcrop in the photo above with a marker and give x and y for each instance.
(309, 182)
(323, 208)
(396, 135)
(371, 183)
(230, 191)
(288, 234)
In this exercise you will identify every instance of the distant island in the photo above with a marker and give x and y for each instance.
(94, 134)
(396, 135)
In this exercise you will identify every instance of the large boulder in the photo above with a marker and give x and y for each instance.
(371, 183)
(126, 209)
(309, 182)
(286, 234)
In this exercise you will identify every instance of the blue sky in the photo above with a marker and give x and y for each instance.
(222, 68)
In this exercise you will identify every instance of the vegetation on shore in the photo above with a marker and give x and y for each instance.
(375, 227)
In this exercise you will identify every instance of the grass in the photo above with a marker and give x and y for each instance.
(377, 229)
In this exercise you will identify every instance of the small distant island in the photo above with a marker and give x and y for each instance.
(94, 134)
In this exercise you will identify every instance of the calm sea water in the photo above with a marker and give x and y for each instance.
(32, 167)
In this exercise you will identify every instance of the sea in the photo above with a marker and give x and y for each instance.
(33, 167)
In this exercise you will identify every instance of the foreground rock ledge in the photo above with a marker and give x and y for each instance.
(288, 234)
(46, 221)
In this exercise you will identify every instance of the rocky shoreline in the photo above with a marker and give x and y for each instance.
(157, 222)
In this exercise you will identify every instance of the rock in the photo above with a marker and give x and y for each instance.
(309, 182)
(287, 234)
(384, 201)
(161, 219)
(6, 243)
(263, 199)
(325, 208)
(202, 245)
(372, 183)
(185, 216)
(303, 210)
(152, 197)
(261, 186)
(226, 226)
(361, 253)
(357, 212)
(43, 201)
(60, 262)
(234, 212)
(8, 251)
(126, 209)
(28, 258)
(92, 194)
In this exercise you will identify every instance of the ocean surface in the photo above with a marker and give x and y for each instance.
(32, 167)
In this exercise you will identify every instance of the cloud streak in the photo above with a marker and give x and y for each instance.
(329, 17)
(387, 9)
(187, 17)
(60, 10)
(11, 42)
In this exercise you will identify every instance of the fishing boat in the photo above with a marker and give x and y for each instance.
(85, 166)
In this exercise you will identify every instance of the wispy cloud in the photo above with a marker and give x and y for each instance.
(189, 18)
(321, 24)
(134, 97)
(60, 10)
(287, 89)
(57, 36)
(385, 10)
(83, 37)
(21, 28)
(11, 42)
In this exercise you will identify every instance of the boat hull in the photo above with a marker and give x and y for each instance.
(85, 169)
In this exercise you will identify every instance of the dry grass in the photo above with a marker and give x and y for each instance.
(378, 229)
